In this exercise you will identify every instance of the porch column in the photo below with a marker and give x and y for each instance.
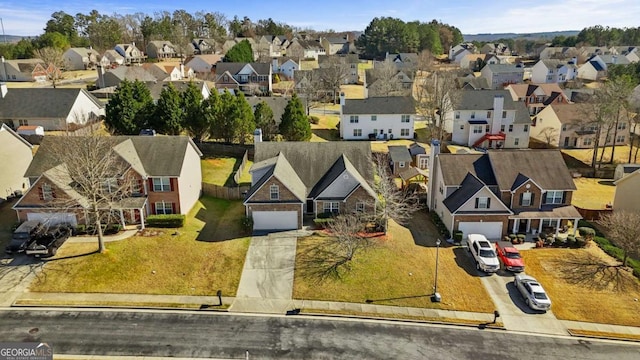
(515, 223)
(141, 219)
(124, 223)
(575, 226)
(539, 226)
(557, 227)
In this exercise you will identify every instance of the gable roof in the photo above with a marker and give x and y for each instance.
(208, 58)
(5, 127)
(158, 72)
(483, 100)
(341, 165)
(234, 68)
(277, 104)
(596, 65)
(455, 167)
(475, 83)
(45, 103)
(156, 87)
(380, 105)
(342, 59)
(570, 113)
(84, 52)
(636, 172)
(504, 68)
(399, 153)
(281, 169)
(469, 186)
(546, 167)
(158, 155)
(416, 149)
(312, 161)
(131, 73)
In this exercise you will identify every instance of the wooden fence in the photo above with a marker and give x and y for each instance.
(592, 215)
(223, 192)
(213, 149)
(240, 171)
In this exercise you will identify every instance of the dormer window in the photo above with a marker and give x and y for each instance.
(482, 203)
(274, 192)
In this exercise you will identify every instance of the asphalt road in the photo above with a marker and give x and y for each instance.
(191, 334)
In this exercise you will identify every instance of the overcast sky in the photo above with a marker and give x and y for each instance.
(28, 17)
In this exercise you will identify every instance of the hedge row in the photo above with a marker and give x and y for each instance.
(442, 228)
(166, 221)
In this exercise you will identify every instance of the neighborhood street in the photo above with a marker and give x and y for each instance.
(207, 335)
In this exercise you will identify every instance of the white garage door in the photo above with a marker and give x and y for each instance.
(275, 220)
(491, 230)
(54, 218)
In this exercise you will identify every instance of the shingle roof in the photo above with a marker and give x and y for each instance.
(614, 59)
(131, 73)
(312, 161)
(380, 105)
(570, 113)
(234, 68)
(281, 169)
(475, 83)
(416, 149)
(343, 59)
(43, 103)
(399, 153)
(483, 100)
(504, 68)
(468, 187)
(277, 104)
(209, 58)
(546, 167)
(455, 167)
(181, 85)
(159, 155)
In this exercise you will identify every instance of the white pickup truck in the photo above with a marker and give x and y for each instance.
(483, 253)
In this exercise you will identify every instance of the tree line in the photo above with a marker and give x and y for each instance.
(225, 117)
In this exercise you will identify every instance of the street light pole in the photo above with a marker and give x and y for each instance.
(436, 296)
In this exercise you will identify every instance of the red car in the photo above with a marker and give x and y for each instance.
(509, 256)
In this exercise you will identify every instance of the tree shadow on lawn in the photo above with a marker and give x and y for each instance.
(232, 183)
(594, 273)
(327, 134)
(222, 220)
(423, 230)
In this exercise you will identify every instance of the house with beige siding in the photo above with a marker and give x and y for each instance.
(626, 195)
(170, 186)
(16, 154)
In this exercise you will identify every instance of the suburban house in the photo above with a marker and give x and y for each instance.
(250, 78)
(53, 109)
(80, 58)
(471, 61)
(495, 49)
(203, 64)
(626, 195)
(155, 87)
(16, 154)
(502, 192)
(305, 49)
(456, 53)
(537, 96)
(489, 119)
(568, 126)
(169, 186)
(377, 118)
(201, 46)
(399, 159)
(335, 45)
(557, 52)
(347, 64)
(130, 53)
(472, 83)
(161, 50)
(501, 75)
(23, 70)
(292, 179)
(383, 83)
(594, 69)
(111, 57)
(408, 61)
(554, 71)
(113, 77)
(284, 66)
(630, 52)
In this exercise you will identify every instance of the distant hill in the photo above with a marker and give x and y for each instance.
(11, 38)
(528, 36)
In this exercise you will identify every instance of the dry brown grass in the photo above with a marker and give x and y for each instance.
(353, 91)
(621, 155)
(308, 64)
(383, 147)
(593, 193)
(604, 334)
(498, 324)
(582, 298)
(396, 272)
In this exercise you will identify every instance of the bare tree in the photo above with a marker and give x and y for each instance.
(623, 229)
(394, 202)
(550, 135)
(436, 98)
(92, 177)
(384, 80)
(333, 73)
(54, 63)
(309, 87)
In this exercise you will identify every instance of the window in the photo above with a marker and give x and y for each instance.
(405, 118)
(374, 118)
(622, 126)
(477, 129)
(511, 128)
(274, 192)
(487, 128)
(526, 128)
(359, 207)
(23, 122)
(550, 71)
(516, 141)
(587, 141)
(423, 162)
(482, 203)
(526, 199)
(488, 114)
(504, 114)
(161, 184)
(164, 208)
(353, 119)
(401, 164)
(549, 78)
(549, 223)
(47, 192)
(110, 185)
(473, 114)
(390, 131)
(225, 78)
(404, 132)
(620, 138)
(461, 126)
(331, 207)
(554, 197)
(136, 187)
(357, 132)
(501, 128)
(457, 114)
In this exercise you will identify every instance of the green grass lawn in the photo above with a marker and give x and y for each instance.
(395, 271)
(201, 258)
(219, 171)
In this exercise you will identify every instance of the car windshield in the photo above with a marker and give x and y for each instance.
(487, 253)
(513, 255)
(540, 296)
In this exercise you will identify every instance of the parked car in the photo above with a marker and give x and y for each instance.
(22, 235)
(509, 256)
(483, 253)
(46, 244)
(534, 295)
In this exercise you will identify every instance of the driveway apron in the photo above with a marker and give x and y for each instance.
(266, 284)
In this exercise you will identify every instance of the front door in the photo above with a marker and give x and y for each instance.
(522, 225)
(566, 141)
(309, 206)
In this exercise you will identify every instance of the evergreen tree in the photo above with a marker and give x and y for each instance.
(168, 115)
(211, 109)
(243, 118)
(223, 125)
(128, 110)
(240, 52)
(295, 125)
(263, 116)
(195, 122)
(146, 108)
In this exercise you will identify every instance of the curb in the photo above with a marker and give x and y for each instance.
(613, 338)
(128, 307)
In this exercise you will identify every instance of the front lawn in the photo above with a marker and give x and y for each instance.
(394, 272)
(219, 171)
(593, 193)
(201, 258)
(578, 293)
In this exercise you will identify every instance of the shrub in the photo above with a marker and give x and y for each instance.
(571, 240)
(321, 223)
(166, 221)
(586, 232)
(276, 78)
(442, 228)
(513, 236)
(80, 229)
(247, 223)
(314, 119)
(558, 242)
(585, 223)
(457, 236)
(580, 242)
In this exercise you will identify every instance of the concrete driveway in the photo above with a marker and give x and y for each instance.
(266, 284)
(16, 274)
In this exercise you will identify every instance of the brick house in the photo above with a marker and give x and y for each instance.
(250, 78)
(164, 173)
(502, 192)
(292, 179)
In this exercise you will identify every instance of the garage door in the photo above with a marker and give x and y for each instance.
(54, 218)
(491, 230)
(275, 220)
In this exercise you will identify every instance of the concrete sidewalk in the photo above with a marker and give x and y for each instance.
(125, 300)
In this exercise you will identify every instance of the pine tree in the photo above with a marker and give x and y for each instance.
(224, 124)
(240, 52)
(195, 122)
(295, 125)
(169, 115)
(127, 111)
(243, 118)
(146, 107)
(211, 109)
(263, 116)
